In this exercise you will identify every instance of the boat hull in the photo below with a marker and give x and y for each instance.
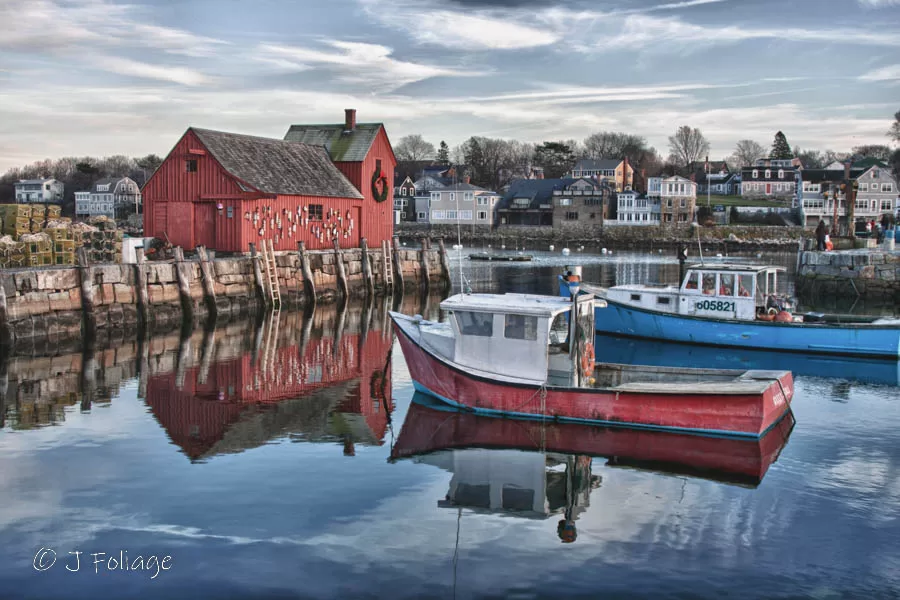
(429, 429)
(748, 415)
(862, 341)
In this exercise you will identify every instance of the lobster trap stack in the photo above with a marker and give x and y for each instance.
(16, 219)
(105, 244)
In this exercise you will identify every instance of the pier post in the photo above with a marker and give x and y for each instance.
(184, 287)
(398, 268)
(88, 378)
(4, 385)
(143, 365)
(368, 280)
(143, 295)
(184, 353)
(445, 263)
(339, 270)
(86, 278)
(339, 325)
(423, 261)
(309, 285)
(207, 352)
(5, 333)
(260, 285)
(208, 282)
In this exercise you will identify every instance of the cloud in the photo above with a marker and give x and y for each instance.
(356, 62)
(890, 73)
(673, 34)
(879, 3)
(133, 68)
(53, 26)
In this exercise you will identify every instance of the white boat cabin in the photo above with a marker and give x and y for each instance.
(521, 337)
(732, 292)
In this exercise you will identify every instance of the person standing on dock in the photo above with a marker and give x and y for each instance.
(821, 230)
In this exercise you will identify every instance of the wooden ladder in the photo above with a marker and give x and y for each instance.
(388, 264)
(268, 251)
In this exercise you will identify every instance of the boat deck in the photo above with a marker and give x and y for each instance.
(663, 380)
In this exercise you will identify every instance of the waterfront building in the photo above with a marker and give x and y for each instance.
(321, 183)
(616, 172)
(678, 199)
(40, 191)
(462, 203)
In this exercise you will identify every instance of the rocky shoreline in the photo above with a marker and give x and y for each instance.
(726, 238)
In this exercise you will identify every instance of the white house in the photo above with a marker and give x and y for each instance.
(42, 191)
(109, 197)
(678, 199)
(633, 209)
(463, 203)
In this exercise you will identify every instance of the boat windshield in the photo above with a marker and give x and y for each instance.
(559, 330)
(709, 283)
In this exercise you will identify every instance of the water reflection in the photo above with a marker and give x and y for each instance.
(320, 377)
(532, 469)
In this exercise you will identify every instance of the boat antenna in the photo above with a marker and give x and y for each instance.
(462, 285)
(699, 245)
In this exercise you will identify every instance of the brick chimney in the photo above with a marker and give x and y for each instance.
(625, 173)
(349, 119)
(539, 174)
(467, 179)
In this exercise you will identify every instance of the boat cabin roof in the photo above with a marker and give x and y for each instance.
(736, 268)
(520, 304)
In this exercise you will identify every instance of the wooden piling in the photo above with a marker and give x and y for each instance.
(86, 278)
(445, 263)
(184, 286)
(309, 286)
(4, 386)
(208, 281)
(206, 354)
(368, 280)
(343, 288)
(143, 295)
(88, 378)
(257, 275)
(398, 268)
(5, 332)
(423, 261)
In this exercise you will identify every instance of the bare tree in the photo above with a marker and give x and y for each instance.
(747, 152)
(614, 144)
(894, 131)
(687, 145)
(413, 148)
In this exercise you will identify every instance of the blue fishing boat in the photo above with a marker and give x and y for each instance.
(738, 306)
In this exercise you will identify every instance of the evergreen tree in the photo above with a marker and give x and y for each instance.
(443, 155)
(780, 148)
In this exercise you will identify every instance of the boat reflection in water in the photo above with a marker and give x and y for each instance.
(537, 469)
(613, 349)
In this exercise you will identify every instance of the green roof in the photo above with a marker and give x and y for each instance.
(342, 146)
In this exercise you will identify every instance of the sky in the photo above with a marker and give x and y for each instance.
(102, 77)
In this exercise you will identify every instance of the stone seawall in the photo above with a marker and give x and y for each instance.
(870, 274)
(55, 303)
(638, 237)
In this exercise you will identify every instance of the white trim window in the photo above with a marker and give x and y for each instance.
(435, 196)
(780, 174)
(437, 215)
(451, 215)
(452, 197)
(465, 215)
(482, 215)
(421, 215)
(874, 187)
(864, 187)
(768, 174)
(755, 174)
(887, 187)
(468, 196)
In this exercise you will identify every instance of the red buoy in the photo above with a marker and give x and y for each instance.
(784, 317)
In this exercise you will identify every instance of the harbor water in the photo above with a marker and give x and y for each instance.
(290, 457)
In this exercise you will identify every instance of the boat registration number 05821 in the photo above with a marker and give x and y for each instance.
(714, 305)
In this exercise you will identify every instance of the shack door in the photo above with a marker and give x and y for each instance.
(205, 224)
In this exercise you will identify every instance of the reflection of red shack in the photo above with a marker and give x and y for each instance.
(332, 392)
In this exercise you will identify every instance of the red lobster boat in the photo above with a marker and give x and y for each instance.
(431, 428)
(532, 357)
